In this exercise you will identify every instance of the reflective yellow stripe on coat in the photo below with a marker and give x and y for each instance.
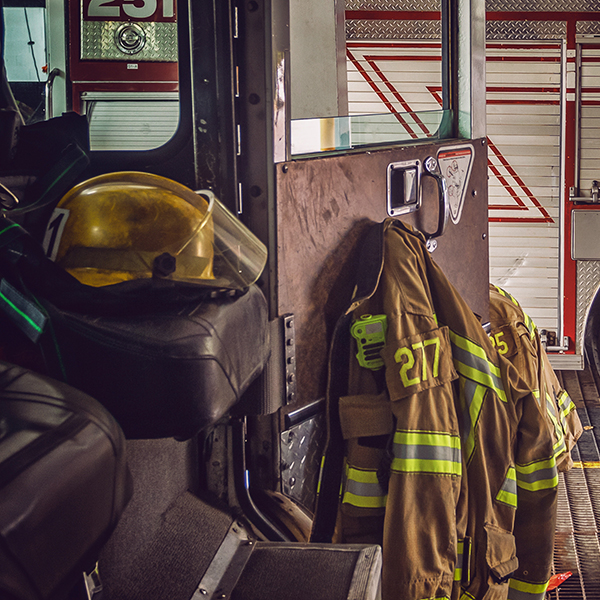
(471, 361)
(539, 475)
(363, 489)
(427, 452)
(520, 590)
(508, 491)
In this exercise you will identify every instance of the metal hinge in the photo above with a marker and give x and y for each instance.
(289, 342)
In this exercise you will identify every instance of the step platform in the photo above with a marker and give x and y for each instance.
(201, 552)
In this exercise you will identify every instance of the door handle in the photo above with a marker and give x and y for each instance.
(49, 84)
(432, 169)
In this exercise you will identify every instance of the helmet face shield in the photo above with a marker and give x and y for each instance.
(126, 226)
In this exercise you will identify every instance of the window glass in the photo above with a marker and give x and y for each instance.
(25, 43)
(374, 69)
(115, 61)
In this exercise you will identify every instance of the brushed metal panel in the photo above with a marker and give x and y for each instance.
(585, 240)
(324, 205)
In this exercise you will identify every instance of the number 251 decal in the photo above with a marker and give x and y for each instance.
(134, 8)
(406, 355)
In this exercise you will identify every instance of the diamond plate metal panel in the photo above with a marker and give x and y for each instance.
(386, 30)
(542, 5)
(588, 280)
(525, 30)
(392, 5)
(491, 5)
(301, 452)
(588, 27)
(99, 41)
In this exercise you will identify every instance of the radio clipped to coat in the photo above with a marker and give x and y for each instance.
(369, 332)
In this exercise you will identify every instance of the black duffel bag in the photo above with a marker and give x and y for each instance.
(64, 483)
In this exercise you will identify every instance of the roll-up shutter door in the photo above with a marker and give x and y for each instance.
(524, 167)
(398, 78)
(590, 117)
(128, 121)
(524, 97)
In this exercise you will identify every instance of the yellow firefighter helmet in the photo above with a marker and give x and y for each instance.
(129, 225)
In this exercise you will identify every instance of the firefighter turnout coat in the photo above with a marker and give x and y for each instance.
(441, 445)
(517, 338)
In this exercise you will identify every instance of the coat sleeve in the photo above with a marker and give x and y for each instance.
(536, 483)
(562, 412)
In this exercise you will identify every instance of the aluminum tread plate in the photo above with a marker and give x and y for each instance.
(577, 543)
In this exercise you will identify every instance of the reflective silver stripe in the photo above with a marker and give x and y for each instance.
(559, 428)
(565, 403)
(427, 452)
(472, 395)
(362, 489)
(508, 491)
(506, 295)
(460, 544)
(537, 476)
(561, 415)
(470, 360)
(530, 325)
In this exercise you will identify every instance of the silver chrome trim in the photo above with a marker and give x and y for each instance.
(567, 362)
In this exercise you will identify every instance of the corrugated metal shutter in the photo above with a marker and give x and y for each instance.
(524, 133)
(138, 123)
(590, 118)
(393, 77)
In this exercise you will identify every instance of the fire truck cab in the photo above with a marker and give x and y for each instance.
(257, 103)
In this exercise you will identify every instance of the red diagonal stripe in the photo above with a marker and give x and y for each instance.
(381, 95)
(398, 97)
(546, 218)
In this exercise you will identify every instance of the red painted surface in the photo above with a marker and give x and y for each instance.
(92, 72)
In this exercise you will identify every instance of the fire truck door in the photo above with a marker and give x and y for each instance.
(332, 173)
(323, 208)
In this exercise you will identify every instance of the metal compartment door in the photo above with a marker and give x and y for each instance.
(323, 207)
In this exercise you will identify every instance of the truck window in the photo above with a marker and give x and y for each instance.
(117, 63)
(342, 95)
(25, 58)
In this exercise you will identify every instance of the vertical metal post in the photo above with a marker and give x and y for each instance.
(214, 119)
(577, 160)
(471, 69)
(57, 57)
(342, 69)
(262, 55)
(280, 59)
(450, 61)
